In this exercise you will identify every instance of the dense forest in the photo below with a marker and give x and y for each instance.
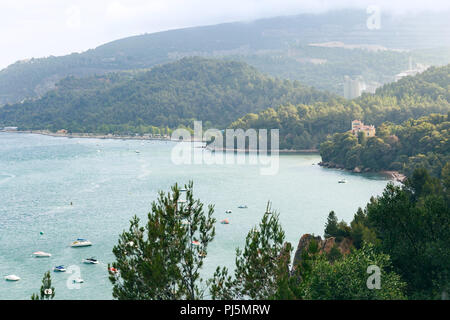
(277, 46)
(424, 142)
(306, 126)
(214, 91)
(410, 223)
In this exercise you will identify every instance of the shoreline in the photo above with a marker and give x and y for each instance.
(96, 136)
(391, 174)
(280, 151)
(163, 138)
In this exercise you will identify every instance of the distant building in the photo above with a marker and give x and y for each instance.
(62, 131)
(352, 87)
(358, 126)
(10, 129)
(412, 71)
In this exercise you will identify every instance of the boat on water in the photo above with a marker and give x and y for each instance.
(78, 280)
(81, 243)
(243, 207)
(41, 254)
(12, 277)
(228, 211)
(59, 269)
(342, 181)
(113, 270)
(225, 221)
(90, 261)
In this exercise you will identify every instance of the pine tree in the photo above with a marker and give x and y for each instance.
(162, 259)
(47, 292)
(262, 267)
(331, 227)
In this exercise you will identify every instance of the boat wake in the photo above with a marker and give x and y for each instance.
(145, 172)
(5, 177)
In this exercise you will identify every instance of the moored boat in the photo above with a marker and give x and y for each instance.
(81, 243)
(41, 254)
(12, 277)
(90, 261)
(59, 269)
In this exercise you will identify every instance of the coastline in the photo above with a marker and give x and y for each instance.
(280, 151)
(391, 174)
(97, 136)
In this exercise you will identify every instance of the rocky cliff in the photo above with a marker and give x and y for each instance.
(325, 246)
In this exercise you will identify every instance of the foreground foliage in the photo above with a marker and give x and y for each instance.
(47, 292)
(163, 258)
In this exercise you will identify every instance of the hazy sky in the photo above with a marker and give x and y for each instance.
(38, 28)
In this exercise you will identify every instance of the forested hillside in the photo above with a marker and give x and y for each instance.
(306, 126)
(421, 143)
(278, 46)
(214, 91)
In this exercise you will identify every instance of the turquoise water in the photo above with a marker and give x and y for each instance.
(108, 182)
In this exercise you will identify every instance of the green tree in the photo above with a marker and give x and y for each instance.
(346, 279)
(262, 267)
(413, 224)
(331, 226)
(162, 259)
(47, 292)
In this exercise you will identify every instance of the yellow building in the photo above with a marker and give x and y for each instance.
(358, 126)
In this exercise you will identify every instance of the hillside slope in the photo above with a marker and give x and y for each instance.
(265, 43)
(306, 126)
(174, 94)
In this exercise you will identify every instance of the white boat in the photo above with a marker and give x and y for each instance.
(59, 269)
(78, 280)
(342, 181)
(90, 261)
(228, 211)
(12, 277)
(41, 254)
(243, 207)
(81, 243)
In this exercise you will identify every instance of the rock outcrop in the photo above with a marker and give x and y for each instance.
(325, 246)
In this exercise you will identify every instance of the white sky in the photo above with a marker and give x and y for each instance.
(38, 28)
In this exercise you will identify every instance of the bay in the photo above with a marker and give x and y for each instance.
(90, 188)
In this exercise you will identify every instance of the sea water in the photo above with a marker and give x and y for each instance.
(54, 190)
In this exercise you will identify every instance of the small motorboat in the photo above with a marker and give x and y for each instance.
(90, 261)
(113, 270)
(243, 207)
(41, 254)
(228, 211)
(78, 280)
(59, 269)
(225, 221)
(81, 243)
(342, 181)
(12, 277)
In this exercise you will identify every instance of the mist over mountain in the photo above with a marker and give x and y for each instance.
(278, 46)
